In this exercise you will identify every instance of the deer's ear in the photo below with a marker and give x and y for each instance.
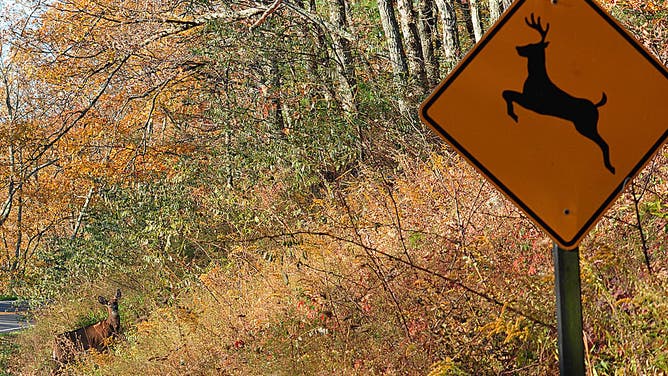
(102, 300)
(118, 293)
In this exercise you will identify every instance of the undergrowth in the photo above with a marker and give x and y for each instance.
(429, 271)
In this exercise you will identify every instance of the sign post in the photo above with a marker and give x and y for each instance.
(559, 107)
(569, 311)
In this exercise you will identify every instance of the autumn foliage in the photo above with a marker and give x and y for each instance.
(253, 176)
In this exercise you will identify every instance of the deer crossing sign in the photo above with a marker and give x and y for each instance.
(542, 96)
(559, 107)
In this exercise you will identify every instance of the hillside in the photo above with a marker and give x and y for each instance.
(254, 178)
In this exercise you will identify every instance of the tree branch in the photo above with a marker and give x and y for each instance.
(645, 250)
(77, 225)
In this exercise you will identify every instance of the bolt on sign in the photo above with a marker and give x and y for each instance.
(559, 107)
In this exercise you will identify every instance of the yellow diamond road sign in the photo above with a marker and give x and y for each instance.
(558, 106)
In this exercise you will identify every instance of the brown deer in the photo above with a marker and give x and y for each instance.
(94, 336)
(542, 96)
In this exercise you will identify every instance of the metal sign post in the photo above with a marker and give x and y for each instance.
(569, 311)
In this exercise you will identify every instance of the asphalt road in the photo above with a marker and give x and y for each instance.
(11, 318)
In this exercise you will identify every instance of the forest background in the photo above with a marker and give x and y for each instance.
(253, 176)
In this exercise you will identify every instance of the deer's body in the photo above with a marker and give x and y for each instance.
(541, 95)
(95, 336)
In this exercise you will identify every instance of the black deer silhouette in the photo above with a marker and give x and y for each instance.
(542, 96)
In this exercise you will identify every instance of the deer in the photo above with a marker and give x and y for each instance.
(95, 336)
(542, 96)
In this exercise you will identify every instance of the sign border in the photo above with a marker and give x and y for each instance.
(427, 104)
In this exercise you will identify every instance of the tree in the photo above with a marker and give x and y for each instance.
(412, 42)
(506, 4)
(475, 19)
(89, 95)
(494, 10)
(342, 57)
(427, 30)
(451, 45)
(395, 50)
(104, 94)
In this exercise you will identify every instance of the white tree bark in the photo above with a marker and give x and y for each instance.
(396, 52)
(475, 19)
(506, 4)
(412, 42)
(448, 17)
(427, 31)
(393, 40)
(494, 10)
(345, 75)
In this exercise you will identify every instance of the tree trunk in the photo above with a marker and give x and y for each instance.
(494, 10)
(475, 20)
(412, 42)
(396, 52)
(19, 233)
(393, 40)
(451, 47)
(275, 96)
(427, 31)
(318, 58)
(345, 75)
(82, 213)
(466, 13)
(506, 4)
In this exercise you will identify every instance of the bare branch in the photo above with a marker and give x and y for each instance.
(77, 225)
(323, 23)
(266, 14)
(7, 206)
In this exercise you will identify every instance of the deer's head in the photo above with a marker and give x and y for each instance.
(112, 304)
(532, 49)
